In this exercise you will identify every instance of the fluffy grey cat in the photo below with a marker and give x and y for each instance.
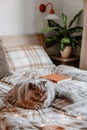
(34, 94)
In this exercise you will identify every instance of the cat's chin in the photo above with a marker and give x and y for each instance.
(43, 99)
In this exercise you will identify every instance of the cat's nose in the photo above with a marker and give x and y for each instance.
(40, 95)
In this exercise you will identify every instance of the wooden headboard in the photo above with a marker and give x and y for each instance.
(36, 39)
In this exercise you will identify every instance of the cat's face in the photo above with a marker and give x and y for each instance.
(36, 91)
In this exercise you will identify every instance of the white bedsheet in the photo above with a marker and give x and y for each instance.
(75, 117)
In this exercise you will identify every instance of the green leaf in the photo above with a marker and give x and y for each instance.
(52, 23)
(50, 41)
(62, 47)
(49, 29)
(75, 17)
(75, 43)
(65, 40)
(64, 17)
(76, 29)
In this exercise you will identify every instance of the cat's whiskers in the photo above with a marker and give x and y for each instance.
(41, 114)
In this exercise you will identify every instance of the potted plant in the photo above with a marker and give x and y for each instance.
(66, 35)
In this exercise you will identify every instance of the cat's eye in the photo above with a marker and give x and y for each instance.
(44, 92)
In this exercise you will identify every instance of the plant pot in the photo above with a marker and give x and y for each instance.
(66, 53)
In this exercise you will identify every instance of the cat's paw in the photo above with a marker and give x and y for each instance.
(38, 106)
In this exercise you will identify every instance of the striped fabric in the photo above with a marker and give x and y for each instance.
(23, 57)
(4, 70)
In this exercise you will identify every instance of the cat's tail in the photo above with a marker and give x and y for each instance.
(63, 94)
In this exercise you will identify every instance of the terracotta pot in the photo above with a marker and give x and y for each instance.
(66, 53)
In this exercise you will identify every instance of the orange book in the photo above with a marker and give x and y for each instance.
(56, 77)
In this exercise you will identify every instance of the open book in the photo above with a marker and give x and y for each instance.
(56, 77)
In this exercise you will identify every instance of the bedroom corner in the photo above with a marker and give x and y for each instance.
(30, 98)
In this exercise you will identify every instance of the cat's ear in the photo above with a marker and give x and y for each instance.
(31, 86)
(44, 82)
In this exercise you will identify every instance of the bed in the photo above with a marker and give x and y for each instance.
(60, 115)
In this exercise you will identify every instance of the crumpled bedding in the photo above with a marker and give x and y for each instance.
(69, 117)
(75, 73)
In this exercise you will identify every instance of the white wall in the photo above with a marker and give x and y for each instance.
(16, 16)
(39, 18)
(23, 16)
(71, 7)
